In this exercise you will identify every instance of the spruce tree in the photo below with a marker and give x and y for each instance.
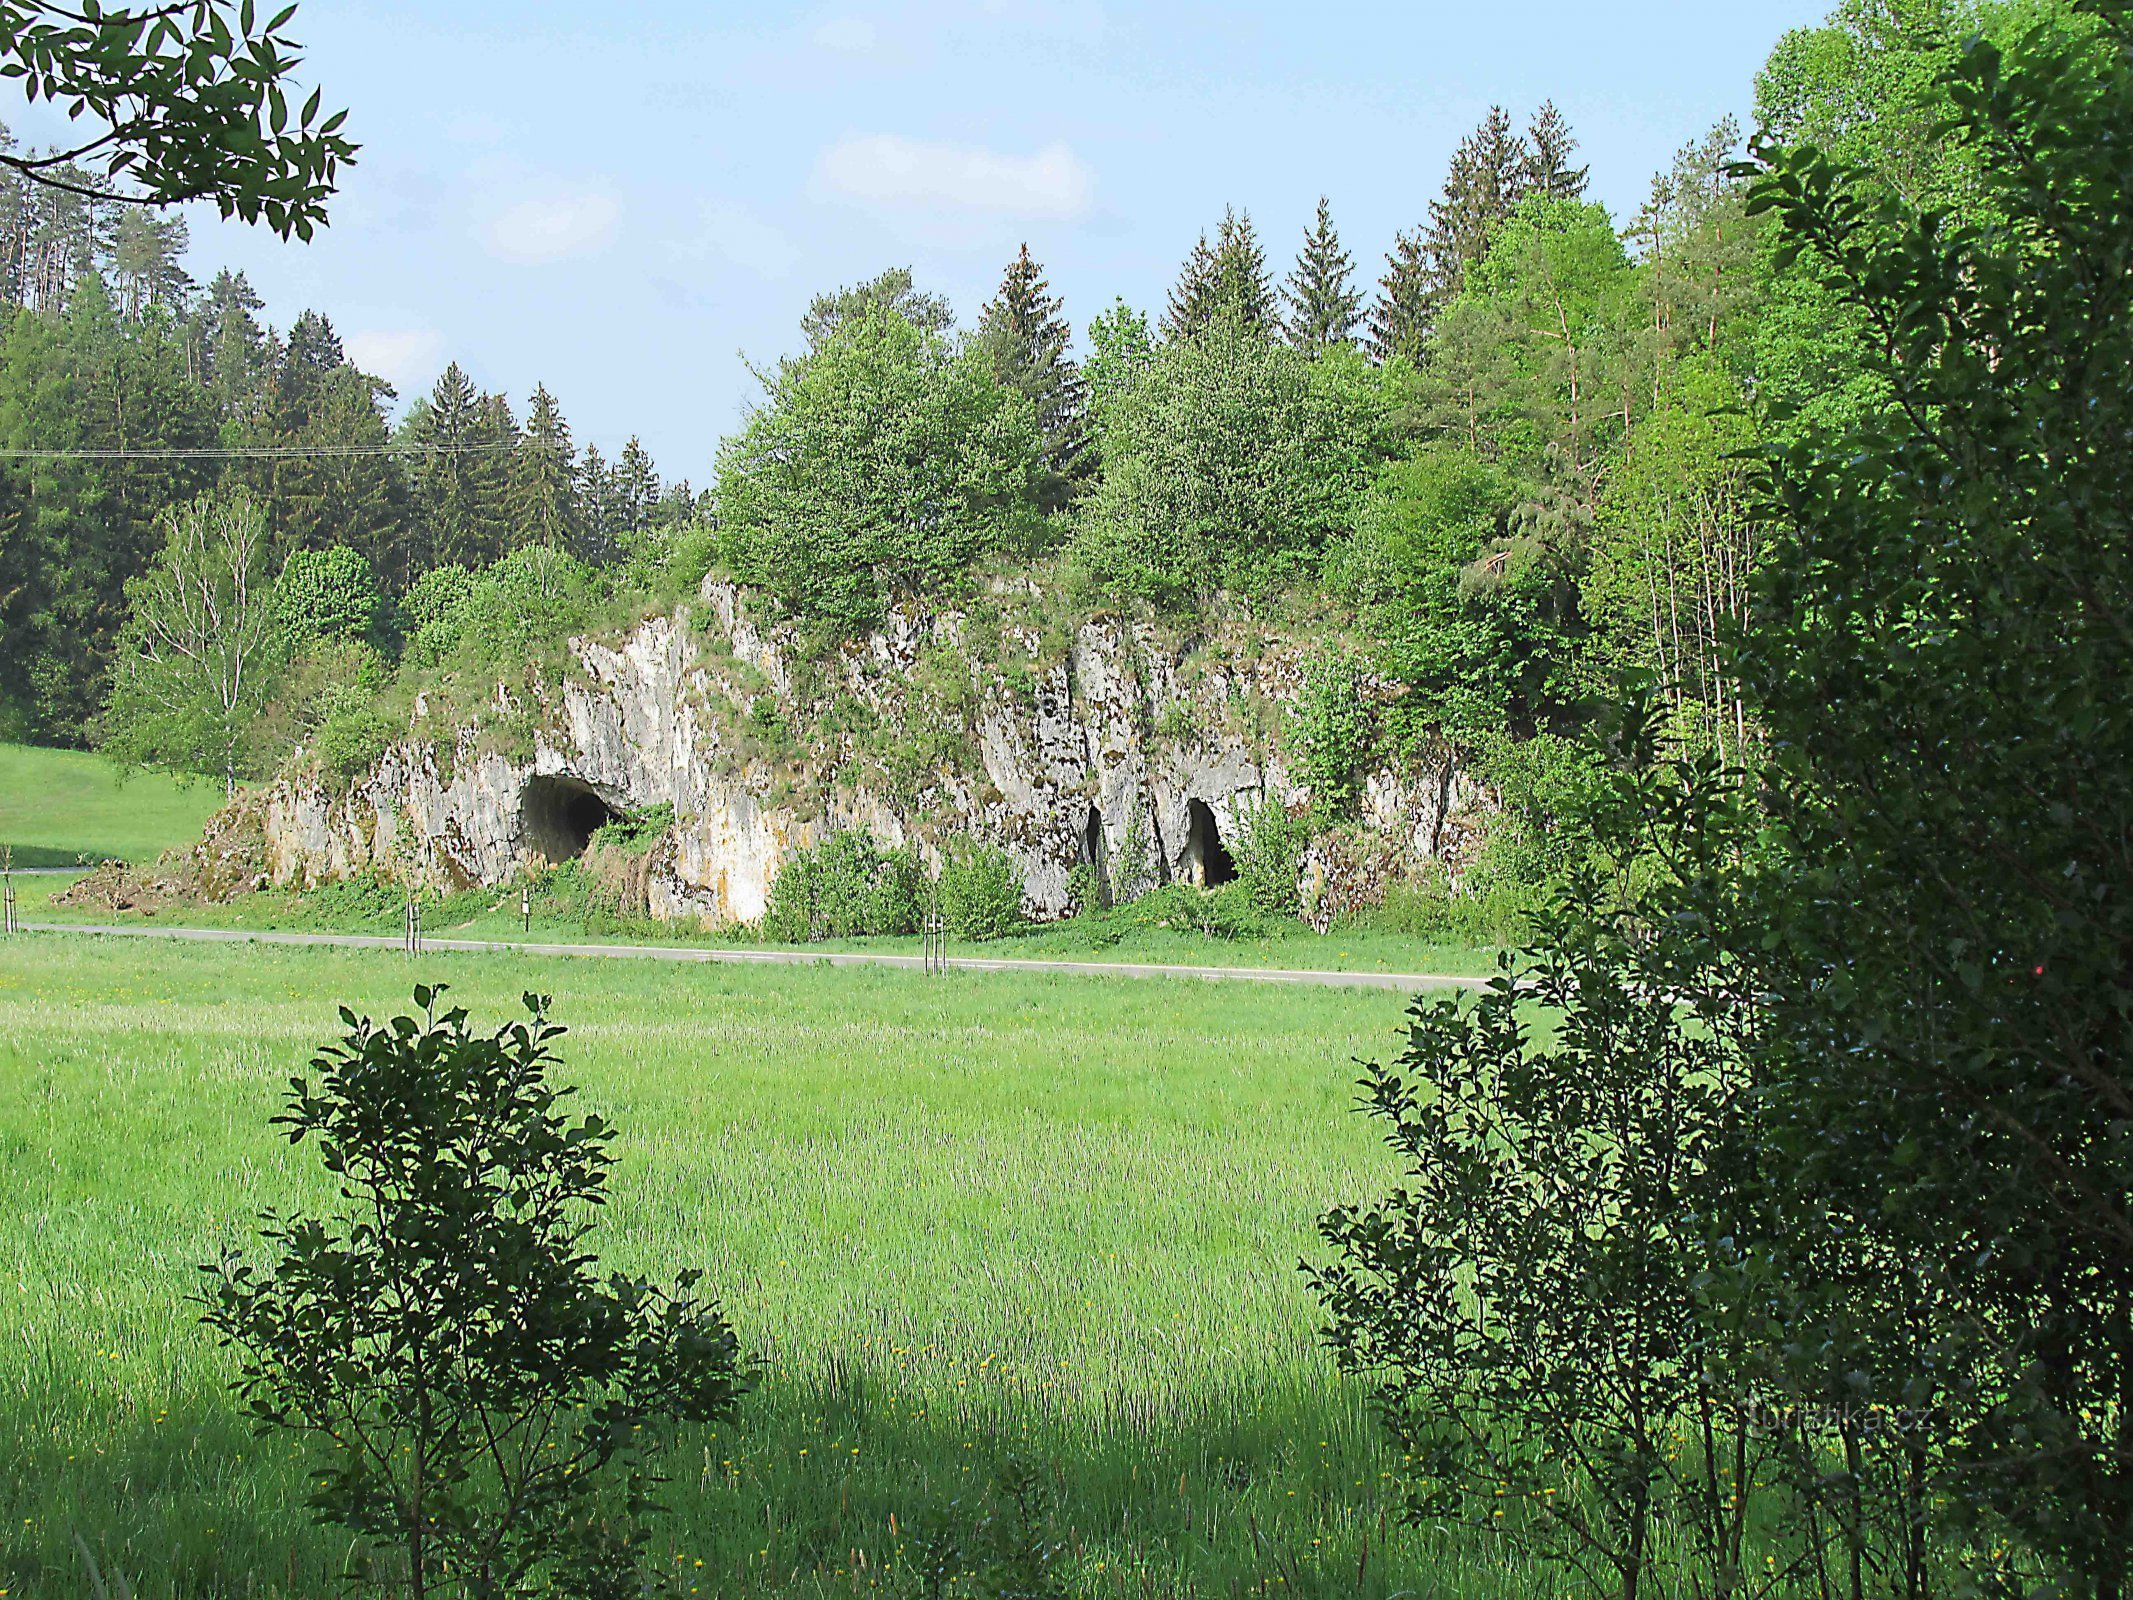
(1406, 306)
(1025, 337)
(636, 489)
(1486, 181)
(599, 519)
(1242, 287)
(316, 400)
(450, 431)
(1324, 304)
(1227, 280)
(235, 363)
(1549, 146)
(1193, 296)
(542, 496)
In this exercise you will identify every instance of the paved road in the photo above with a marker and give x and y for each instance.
(1406, 981)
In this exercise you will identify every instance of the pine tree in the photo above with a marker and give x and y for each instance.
(1406, 305)
(636, 492)
(1193, 297)
(1025, 336)
(1227, 280)
(600, 516)
(541, 497)
(457, 513)
(1324, 304)
(1242, 287)
(1549, 146)
(236, 361)
(1485, 184)
(145, 253)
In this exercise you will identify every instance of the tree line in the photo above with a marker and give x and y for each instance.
(127, 389)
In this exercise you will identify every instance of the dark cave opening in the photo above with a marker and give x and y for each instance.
(557, 817)
(1090, 853)
(1207, 860)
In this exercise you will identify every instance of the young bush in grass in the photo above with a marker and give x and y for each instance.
(483, 1402)
(841, 888)
(981, 894)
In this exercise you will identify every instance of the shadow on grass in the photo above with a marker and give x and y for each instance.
(822, 1488)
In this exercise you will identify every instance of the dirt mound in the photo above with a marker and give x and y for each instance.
(230, 859)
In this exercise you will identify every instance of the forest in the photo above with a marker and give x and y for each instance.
(1762, 1226)
(1509, 470)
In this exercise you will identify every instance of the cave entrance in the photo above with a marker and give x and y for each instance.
(1089, 851)
(1207, 862)
(557, 817)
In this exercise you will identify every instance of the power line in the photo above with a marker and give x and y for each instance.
(293, 452)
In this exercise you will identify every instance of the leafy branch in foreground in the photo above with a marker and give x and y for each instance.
(190, 107)
(485, 1403)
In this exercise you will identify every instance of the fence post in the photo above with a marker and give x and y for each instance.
(936, 957)
(7, 871)
(525, 908)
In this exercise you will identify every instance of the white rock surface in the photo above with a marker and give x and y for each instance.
(1137, 728)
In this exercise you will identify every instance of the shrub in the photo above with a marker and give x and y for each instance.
(1332, 733)
(430, 614)
(1268, 851)
(351, 741)
(841, 888)
(1224, 913)
(327, 595)
(474, 1388)
(981, 894)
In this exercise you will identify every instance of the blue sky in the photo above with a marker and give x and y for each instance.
(622, 200)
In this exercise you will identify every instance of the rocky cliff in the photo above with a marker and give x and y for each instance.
(1138, 751)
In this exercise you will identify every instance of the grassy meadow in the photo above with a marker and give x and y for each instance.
(959, 1219)
(58, 807)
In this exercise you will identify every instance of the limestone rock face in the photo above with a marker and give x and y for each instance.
(1116, 747)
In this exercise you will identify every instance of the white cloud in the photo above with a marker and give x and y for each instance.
(846, 35)
(886, 169)
(406, 358)
(553, 227)
(737, 236)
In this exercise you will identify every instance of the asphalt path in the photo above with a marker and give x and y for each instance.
(1407, 981)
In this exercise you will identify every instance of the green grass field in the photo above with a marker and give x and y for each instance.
(59, 806)
(960, 1218)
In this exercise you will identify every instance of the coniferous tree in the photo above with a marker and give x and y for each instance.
(1242, 287)
(145, 253)
(1324, 304)
(1406, 306)
(1228, 279)
(462, 448)
(315, 401)
(600, 515)
(1549, 146)
(1486, 181)
(542, 495)
(636, 492)
(1193, 297)
(236, 358)
(1025, 336)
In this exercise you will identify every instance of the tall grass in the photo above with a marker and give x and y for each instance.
(959, 1219)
